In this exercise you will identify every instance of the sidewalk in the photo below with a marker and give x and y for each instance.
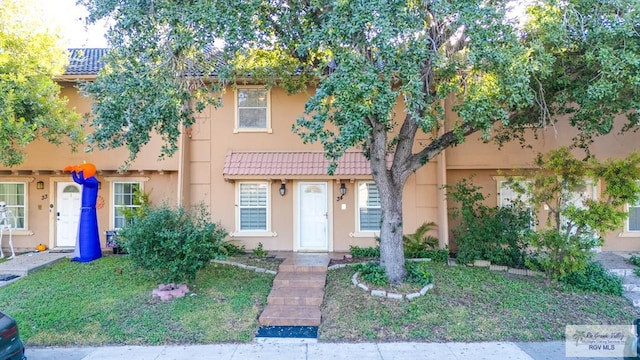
(295, 350)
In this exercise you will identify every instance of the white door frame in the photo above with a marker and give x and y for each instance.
(296, 216)
(52, 206)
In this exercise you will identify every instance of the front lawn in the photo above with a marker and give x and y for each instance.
(107, 302)
(466, 304)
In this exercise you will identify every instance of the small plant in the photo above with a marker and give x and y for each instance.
(364, 252)
(635, 260)
(414, 244)
(373, 273)
(233, 249)
(259, 252)
(417, 273)
(595, 278)
(171, 245)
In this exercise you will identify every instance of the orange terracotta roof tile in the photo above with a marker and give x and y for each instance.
(292, 163)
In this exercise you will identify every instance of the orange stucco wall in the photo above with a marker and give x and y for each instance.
(45, 161)
(213, 136)
(485, 159)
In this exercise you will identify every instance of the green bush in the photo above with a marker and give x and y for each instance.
(438, 255)
(594, 277)
(375, 274)
(559, 254)
(497, 234)
(372, 273)
(414, 244)
(364, 252)
(171, 245)
(417, 273)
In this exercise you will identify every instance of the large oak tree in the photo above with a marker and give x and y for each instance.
(381, 70)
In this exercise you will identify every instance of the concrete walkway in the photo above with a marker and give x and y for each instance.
(618, 263)
(318, 351)
(24, 264)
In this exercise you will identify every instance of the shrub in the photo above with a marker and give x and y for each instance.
(364, 252)
(438, 255)
(171, 245)
(375, 274)
(259, 251)
(417, 273)
(594, 277)
(497, 234)
(414, 244)
(559, 254)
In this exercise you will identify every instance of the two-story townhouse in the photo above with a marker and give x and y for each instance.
(261, 182)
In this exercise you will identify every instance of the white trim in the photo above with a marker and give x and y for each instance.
(236, 122)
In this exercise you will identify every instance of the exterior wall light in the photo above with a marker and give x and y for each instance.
(40, 185)
(283, 189)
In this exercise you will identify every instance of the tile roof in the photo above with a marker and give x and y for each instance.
(241, 164)
(85, 61)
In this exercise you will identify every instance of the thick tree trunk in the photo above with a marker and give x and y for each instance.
(391, 249)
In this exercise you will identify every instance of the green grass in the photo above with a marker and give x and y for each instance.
(467, 304)
(108, 302)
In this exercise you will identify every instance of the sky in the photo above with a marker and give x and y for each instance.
(67, 17)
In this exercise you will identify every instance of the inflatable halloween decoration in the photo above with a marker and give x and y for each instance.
(88, 239)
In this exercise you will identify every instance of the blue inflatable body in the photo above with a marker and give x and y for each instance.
(88, 239)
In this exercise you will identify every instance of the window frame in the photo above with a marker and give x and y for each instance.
(114, 206)
(237, 126)
(25, 206)
(253, 232)
(358, 206)
(525, 198)
(627, 229)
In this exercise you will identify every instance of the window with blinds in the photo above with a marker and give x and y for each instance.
(253, 205)
(13, 194)
(369, 207)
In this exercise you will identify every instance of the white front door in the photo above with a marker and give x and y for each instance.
(313, 216)
(68, 204)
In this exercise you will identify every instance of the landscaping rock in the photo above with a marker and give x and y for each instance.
(167, 292)
(381, 293)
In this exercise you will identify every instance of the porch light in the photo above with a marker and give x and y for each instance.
(343, 189)
(40, 185)
(283, 189)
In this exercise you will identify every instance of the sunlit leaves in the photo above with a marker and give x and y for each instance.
(30, 102)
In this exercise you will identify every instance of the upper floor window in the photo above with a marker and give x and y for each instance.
(253, 206)
(252, 109)
(369, 207)
(123, 198)
(13, 194)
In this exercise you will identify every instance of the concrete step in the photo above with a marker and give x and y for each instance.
(621, 272)
(300, 280)
(301, 268)
(295, 296)
(634, 297)
(290, 315)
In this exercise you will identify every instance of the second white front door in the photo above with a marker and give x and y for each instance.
(68, 203)
(313, 216)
